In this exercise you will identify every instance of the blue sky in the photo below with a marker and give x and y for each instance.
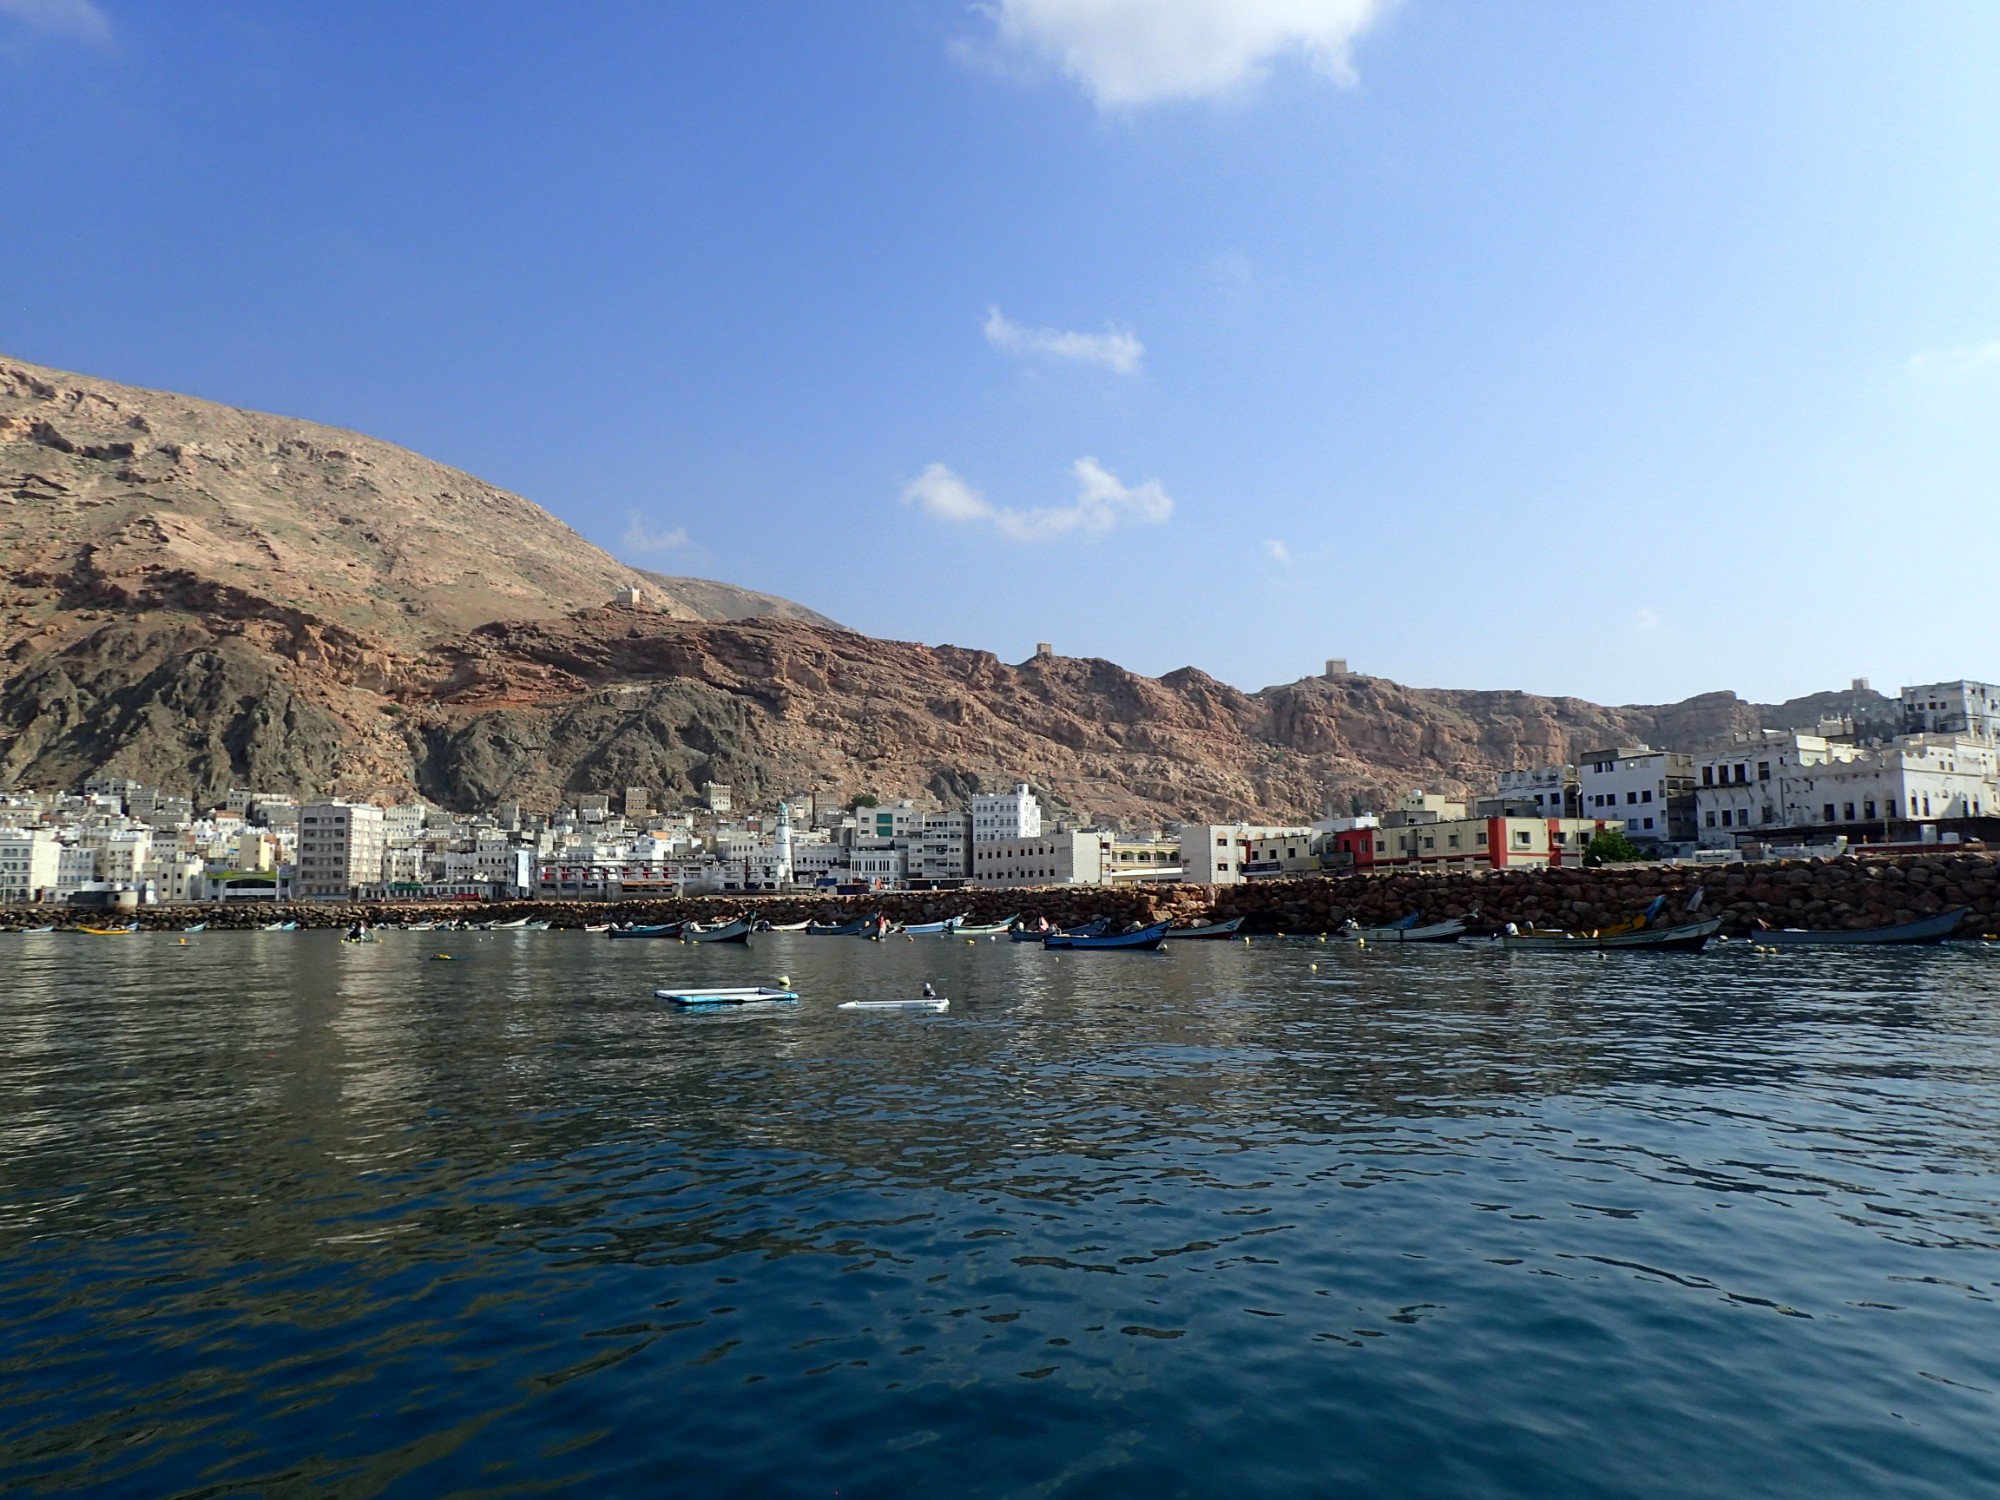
(1627, 351)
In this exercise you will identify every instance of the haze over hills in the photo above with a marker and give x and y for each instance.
(203, 597)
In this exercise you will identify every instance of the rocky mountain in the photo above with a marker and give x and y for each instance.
(204, 597)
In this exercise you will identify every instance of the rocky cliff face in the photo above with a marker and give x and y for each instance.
(203, 597)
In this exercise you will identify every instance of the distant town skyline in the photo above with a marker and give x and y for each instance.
(1626, 354)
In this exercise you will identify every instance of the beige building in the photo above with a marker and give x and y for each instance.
(1046, 859)
(1219, 853)
(340, 850)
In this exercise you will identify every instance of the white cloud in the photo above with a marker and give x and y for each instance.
(1117, 349)
(1279, 553)
(1102, 502)
(78, 18)
(1133, 52)
(641, 537)
(1955, 364)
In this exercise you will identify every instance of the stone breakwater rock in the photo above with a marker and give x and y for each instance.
(1844, 894)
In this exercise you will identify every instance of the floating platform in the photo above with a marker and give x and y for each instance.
(937, 1004)
(752, 994)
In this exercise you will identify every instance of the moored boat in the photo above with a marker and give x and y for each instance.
(653, 930)
(932, 929)
(838, 929)
(1211, 930)
(1687, 937)
(1429, 932)
(196, 927)
(787, 926)
(1933, 929)
(281, 927)
(985, 929)
(735, 931)
(932, 1003)
(1146, 939)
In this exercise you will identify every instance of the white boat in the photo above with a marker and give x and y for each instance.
(789, 926)
(1435, 932)
(751, 994)
(516, 925)
(934, 1003)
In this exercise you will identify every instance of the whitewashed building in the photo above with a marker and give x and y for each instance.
(29, 863)
(1006, 815)
(1650, 792)
(1042, 859)
(1970, 708)
(1219, 853)
(340, 850)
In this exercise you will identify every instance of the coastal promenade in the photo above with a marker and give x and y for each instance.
(1820, 894)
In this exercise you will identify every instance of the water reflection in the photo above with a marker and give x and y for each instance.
(271, 1206)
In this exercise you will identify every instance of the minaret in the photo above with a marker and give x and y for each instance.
(784, 844)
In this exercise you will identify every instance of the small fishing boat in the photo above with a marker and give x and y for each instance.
(787, 926)
(1687, 937)
(196, 927)
(1430, 932)
(1029, 934)
(657, 930)
(539, 925)
(281, 927)
(1145, 940)
(752, 994)
(986, 929)
(109, 931)
(931, 929)
(420, 926)
(839, 929)
(517, 925)
(1924, 930)
(931, 1003)
(596, 926)
(1209, 930)
(736, 931)
(26, 930)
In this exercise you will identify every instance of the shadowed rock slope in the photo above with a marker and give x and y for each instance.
(204, 597)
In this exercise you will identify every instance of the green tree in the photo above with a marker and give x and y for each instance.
(866, 799)
(1611, 847)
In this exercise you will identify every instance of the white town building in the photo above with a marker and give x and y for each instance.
(1219, 853)
(1971, 708)
(1006, 815)
(1651, 792)
(29, 860)
(1042, 859)
(340, 850)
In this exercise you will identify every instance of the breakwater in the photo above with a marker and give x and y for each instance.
(1821, 894)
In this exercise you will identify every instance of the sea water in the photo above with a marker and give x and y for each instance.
(284, 1217)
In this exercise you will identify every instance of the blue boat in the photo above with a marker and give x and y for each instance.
(656, 930)
(1924, 930)
(1145, 940)
(839, 929)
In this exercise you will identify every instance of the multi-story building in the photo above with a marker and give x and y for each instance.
(1497, 843)
(1650, 791)
(942, 849)
(1749, 784)
(998, 816)
(1143, 860)
(881, 867)
(340, 850)
(1219, 853)
(29, 861)
(1042, 859)
(894, 820)
(1970, 708)
(1919, 779)
(1536, 791)
(1277, 856)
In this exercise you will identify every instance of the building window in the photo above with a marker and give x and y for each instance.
(1763, 770)
(1847, 811)
(1649, 822)
(1708, 775)
(1523, 838)
(1711, 820)
(1451, 840)
(1631, 799)
(1645, 796)
(1829, 812)
(1725, 818)
(1868, 810)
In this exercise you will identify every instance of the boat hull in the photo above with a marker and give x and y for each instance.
(1144, 941)
(1924, 930)
(1213, 931)
(1435, 932)
(1689, 937)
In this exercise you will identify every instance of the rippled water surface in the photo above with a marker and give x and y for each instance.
(283, 1217)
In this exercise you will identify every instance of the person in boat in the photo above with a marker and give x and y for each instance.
(929, 993)
(354, 933)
